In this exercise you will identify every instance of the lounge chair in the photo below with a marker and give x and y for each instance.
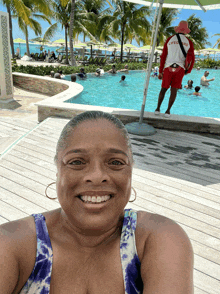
(36, 56)
(60, 58)
(41, 57)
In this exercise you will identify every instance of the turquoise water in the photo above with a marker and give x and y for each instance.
(33, 48)
(107, 91)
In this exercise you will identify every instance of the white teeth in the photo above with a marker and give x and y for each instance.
(95, 199)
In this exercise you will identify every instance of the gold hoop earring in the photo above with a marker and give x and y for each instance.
(46, 191)
(135, 193)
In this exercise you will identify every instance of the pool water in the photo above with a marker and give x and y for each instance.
(107, 91)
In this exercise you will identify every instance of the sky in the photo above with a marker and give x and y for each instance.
(210, 20)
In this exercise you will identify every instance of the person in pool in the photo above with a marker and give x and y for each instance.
(122, 79)
(125, 69)
(112, 70)
(73, 78)
(82, 73)
(92, 244)
(196, 93)
(204, 81)
(98, 72)
(189, 84)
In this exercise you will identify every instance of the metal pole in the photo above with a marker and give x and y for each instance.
(200, 5)
(151, 61)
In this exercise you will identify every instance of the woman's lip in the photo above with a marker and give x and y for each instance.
(95, 205)
(95, 193)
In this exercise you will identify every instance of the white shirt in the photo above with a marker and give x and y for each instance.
(175, 54)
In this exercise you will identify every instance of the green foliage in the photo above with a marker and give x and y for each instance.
(198, 35)
(45, 70)
(207, 63)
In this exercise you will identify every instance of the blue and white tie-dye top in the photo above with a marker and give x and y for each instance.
(39, 280)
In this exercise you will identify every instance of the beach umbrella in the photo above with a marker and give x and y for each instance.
(114, 45)
(145, 129)
(208, 51)
(19, 40)
(81, 45)
(129, 47)
(147, 48)
(59, 41)
(91, 43)
(40, 41)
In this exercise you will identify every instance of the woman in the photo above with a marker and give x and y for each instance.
(92, 244)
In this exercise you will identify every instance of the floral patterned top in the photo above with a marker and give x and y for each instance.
(39, 280)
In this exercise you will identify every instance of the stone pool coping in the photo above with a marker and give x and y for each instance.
(55, 106)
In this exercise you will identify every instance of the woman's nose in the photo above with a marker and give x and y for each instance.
(96, 173)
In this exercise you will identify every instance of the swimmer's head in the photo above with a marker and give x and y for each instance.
(190, 83)
(123, 78)
(197, 88)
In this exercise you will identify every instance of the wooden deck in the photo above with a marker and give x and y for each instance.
(176, 174)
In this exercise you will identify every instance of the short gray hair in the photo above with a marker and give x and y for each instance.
(88, 116)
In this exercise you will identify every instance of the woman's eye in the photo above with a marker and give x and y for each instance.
(116, 162)
(76, 162)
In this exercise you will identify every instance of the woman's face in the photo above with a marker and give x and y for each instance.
(96, 162)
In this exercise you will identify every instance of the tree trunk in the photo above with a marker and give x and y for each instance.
(27, 42)
(73, 60)
(66, 34)
(10, 31)
(122, 41)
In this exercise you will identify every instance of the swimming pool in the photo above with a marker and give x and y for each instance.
(107, 91)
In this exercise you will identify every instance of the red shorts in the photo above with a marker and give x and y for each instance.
(173, 77)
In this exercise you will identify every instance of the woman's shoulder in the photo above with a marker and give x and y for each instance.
(153, 224)
(18, 235)
(14, 229)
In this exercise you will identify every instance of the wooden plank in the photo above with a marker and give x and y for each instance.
(13, 123)
(179, 165)
(27, 173)
(206, 252)
(191, 207)
(33, 185)
(42, 144)
(178, 177)
(11, 160)
(10, 212)
(3, 220)
(36, 161)
(206, 282)
(210, 200)
(193, 233)
(207, 267)
(20, 203)
(199, 291)
(29, 194)
(42, 156)
(25, 146)
(192, 188)
(168, 211)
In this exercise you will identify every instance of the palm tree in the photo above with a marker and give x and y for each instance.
(18, 7)
(73, 60)
(198, 34)
(32, 23)
(127, 18)
(63, 11)
(217, 42)
(165, 30)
